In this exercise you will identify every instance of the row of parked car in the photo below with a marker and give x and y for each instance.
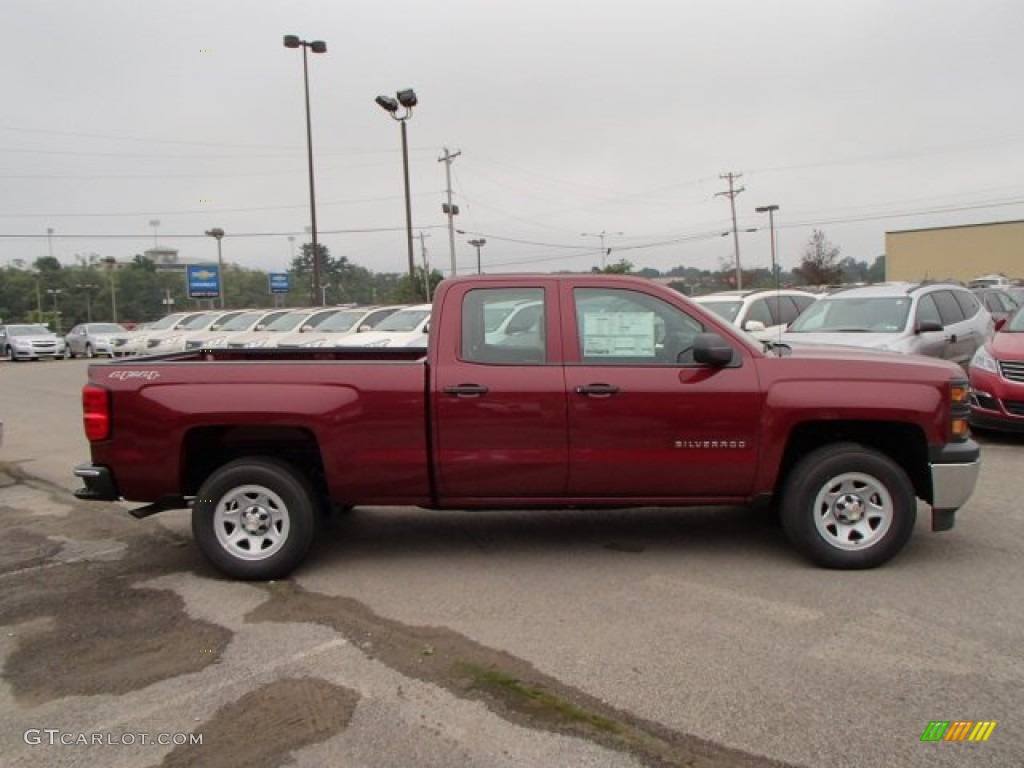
(982, 329)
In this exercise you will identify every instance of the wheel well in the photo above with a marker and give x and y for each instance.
(903, 443)
(207, 448)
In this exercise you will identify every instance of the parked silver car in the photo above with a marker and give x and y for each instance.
(942, 320)
(30, 342)
(92, 339)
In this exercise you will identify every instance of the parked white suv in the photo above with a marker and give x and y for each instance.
(764, 313)
(936, 319)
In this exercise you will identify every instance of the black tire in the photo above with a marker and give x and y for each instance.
(848, 506)
(70, 354)
(89, 350)
(280, 512)
(9, 354)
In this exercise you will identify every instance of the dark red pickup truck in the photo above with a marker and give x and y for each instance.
(535, 392)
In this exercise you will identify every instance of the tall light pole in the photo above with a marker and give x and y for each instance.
(110, 261)
(49, 240)
(602, 234)
(218, 234)
(55, 292)
(317, 46)
(478, 244)
(155, 223)
(770, 210)
(407, 99)
(87, 287)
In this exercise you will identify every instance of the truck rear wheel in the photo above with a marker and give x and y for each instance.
(254, 518)
(847, 506)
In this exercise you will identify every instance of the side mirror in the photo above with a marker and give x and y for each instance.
(364, 328)
(711, 349)
(929, 326)
(306, 329)
(260, 327)
(753, 326)
(1000, 323)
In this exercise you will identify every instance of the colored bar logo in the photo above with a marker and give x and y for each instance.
(958, 730)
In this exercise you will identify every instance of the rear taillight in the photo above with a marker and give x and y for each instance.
(96, 412)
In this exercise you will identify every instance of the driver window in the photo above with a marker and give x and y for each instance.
(626, 327)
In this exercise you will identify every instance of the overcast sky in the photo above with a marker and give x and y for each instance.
(572, 116)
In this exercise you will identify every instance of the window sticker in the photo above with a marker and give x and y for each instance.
(618, 334)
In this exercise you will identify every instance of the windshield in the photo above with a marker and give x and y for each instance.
(340, 322)
(199, 322)
(727, 310)
(406, 320)
(1016, 322)
(27, 330)
(164, 323)
(883, 314)
(288, 322)
(241, 322)
(105, 328)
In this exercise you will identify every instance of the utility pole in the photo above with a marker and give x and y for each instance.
(451, 211)
(731, 194)
(426, 265)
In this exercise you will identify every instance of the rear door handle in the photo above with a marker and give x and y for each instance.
(461, 390)
(597, 390)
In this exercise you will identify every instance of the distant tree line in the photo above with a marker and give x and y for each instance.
(97, 289)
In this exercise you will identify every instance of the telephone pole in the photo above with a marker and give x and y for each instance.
(731, 194)
(451, 211)
(426, 265)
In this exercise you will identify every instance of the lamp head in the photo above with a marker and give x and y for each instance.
(386, 102)
(318, 46)
(407, 98)
(216, 232)
(292, 41)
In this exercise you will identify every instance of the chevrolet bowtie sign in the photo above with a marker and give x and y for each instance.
(203, 281)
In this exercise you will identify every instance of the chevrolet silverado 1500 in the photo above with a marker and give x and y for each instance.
(621, 393)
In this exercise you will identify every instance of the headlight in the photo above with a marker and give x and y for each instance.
(258, 343)
(984, 361)
(381, 343)
(216, 341)
(314, 343)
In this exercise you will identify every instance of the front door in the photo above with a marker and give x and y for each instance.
(644, 419)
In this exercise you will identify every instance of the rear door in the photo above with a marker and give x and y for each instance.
(499, 404)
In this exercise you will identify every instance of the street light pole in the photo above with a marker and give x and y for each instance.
(770, 210)
(218, 234)
(601, 235)
(407, 99)
(317, 46)
(55, 292)
(478, 244)
(87, 287)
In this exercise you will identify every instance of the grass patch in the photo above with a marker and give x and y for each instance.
(533, 700)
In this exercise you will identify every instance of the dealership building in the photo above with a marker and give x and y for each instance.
(956, 253)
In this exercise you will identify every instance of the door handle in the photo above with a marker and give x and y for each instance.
(460, 390)
(597, 390)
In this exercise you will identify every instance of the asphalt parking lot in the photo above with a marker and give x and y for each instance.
(625, 638)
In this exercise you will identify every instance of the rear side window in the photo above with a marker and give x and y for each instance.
(504, 326)
(949, 307)
(968, 302)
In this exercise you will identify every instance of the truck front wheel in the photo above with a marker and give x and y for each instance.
(848, 506)
(254, 518)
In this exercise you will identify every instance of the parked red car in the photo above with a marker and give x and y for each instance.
(997, 379)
